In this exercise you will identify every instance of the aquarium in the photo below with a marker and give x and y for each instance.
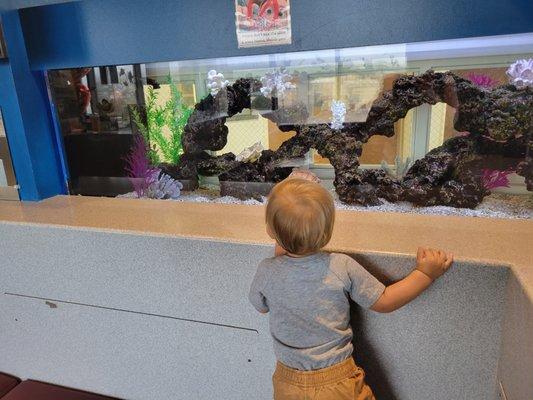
(431, 127)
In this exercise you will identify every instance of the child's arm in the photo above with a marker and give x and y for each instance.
(431, 264)
(256, 295)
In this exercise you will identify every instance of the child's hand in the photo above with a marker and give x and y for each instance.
(432, 262)
(304, 174)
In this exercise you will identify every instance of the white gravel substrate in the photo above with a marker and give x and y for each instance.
(496, 205)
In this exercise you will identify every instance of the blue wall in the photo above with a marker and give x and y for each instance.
(102, 32)
(25, 108)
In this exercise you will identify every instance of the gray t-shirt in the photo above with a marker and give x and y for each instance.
(307, 299)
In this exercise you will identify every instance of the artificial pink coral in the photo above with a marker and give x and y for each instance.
(482, 80)
(493, 178)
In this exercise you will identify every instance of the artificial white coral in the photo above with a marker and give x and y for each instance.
(520, 73)
(275, 83)
(215, 82)
(338, 114)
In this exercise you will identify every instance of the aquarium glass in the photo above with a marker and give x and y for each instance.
(434, 124)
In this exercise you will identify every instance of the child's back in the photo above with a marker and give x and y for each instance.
(309, 306)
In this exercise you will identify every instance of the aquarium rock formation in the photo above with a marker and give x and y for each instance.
(499, 121)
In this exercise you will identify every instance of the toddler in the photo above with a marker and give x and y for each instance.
(306, 291)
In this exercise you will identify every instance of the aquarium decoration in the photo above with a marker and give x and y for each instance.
(275, 83)
(482, 80)
(520, 73)
(499, 121)
(147, 180)
(163, 187)
(493, 178)
(250, 154)
(138, 166)
(173, 115)
(215, 82)
(338, 114)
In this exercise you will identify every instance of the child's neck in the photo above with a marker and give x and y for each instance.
(298, 255)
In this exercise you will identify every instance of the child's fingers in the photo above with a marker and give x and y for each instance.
(449, 261)
(420, 253)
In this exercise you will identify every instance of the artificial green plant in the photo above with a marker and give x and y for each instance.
(174, 114)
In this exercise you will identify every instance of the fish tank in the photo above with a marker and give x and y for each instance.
(441, 127)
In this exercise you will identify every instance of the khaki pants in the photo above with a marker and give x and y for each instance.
(343, 381)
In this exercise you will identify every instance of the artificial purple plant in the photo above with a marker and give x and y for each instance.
(147, 180)
(140, 172)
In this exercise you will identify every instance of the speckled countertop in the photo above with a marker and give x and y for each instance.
(502, 241)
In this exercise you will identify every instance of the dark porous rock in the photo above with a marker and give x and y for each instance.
(187, 174)
(499, 122)
(525, 169)
(467, 193)
(216, 165)
(288, 116)
(246, 190)
(490, 154)
(244, 182)
(239, 95)
(442, 177)
(368, 187)
(386, 186)
(359, 193)
(185, 169)
(202, 133)
(501, 114)
(243, 172)
(272, 167)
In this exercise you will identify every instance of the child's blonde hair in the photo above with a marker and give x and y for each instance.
(300, 215)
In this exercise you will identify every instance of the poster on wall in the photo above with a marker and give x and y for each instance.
(262, 22)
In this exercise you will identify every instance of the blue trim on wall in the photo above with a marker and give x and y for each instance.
(16, 138)
(104, 32)
(23, 97)
(57, 135)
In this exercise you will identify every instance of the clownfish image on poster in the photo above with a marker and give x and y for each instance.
(262, 22)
